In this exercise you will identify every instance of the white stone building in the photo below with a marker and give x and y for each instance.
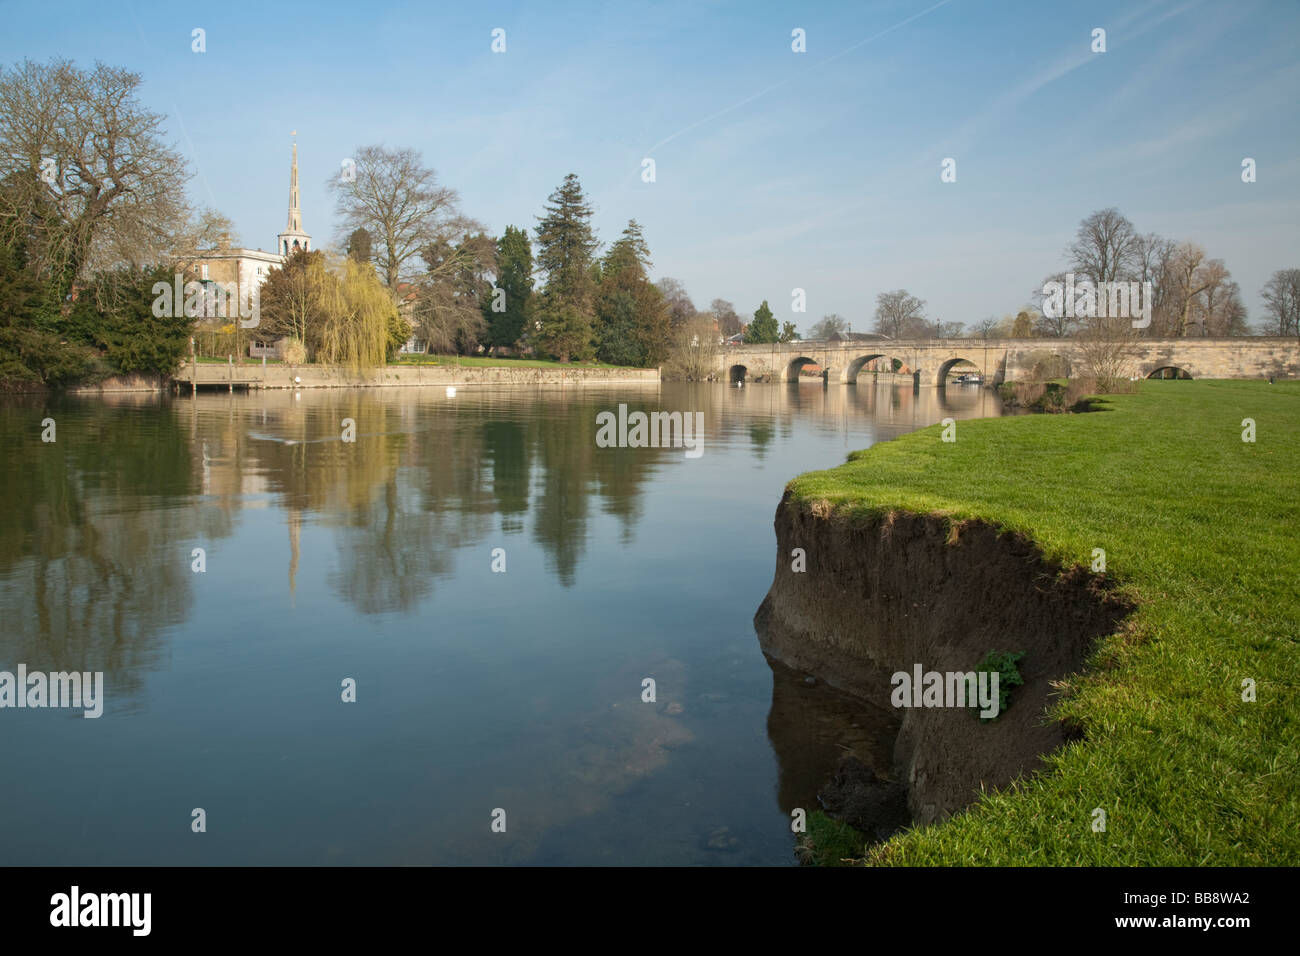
(249, 268)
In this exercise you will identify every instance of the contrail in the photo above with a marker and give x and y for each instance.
(789, 79)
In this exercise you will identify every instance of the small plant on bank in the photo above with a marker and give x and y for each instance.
(830, 842)
(1004, 664)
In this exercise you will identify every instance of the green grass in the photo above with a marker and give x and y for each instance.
(830, 842)
(475, 360)
(1203, 530)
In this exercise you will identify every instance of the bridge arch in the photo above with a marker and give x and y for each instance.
(946, 367)
(859, 363)
(736, 374)
(1170, 371)
(1017, 359)
(795, 364)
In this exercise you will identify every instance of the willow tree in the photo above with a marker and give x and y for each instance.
(358, 317)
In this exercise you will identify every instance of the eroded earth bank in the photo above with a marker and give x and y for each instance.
(882, 594)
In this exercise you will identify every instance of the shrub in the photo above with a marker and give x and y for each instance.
(293, 351)
(830, 842)
(1003, 663)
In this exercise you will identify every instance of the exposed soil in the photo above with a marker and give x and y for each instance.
(884, 594)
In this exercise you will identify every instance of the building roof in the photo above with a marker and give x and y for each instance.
(209, 254)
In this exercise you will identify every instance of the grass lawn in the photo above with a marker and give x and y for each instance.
(1203, 530)
(475, 360)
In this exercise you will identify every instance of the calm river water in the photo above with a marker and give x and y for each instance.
(373, 560)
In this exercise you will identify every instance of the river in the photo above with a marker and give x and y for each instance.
(327, 565)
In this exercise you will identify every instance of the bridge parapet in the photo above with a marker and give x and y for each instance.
(1248, 357)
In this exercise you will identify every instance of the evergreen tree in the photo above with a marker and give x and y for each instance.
(32, 356)
(788, 333)
(116, 313)
(633, 322)
(632, 243)
(616, 332)
(360, 246)
(1023, 326)
(515, 279)
(566, 246)
(763, 329)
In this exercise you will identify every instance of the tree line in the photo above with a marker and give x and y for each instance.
(1191, 294)
(93, 215)
(555, 293)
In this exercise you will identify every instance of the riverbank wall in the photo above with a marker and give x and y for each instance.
(254, 376)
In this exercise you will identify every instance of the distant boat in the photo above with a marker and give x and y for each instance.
(971, 378)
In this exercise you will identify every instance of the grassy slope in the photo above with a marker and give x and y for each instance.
(1204, 530)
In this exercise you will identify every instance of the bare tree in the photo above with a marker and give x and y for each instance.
(1052, 323)
(680, 306)
(452, 294)
(1226, 312)
(1218, 309)
(1107, 348)
(1188, 291)
(694, 349)
(900, 314)
(397, 199)
(87, 180)
(1152, 257)
(209, 230)
(728, 321)
(1281, 295)
(828, 325)
(1191, 274)
(986, 328)
(295, 299)
(1104, 247)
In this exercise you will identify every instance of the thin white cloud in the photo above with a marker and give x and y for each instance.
(790, 79)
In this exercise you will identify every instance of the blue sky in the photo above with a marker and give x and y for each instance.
(775, 170)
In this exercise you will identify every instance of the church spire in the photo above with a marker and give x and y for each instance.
(295, 212)
(293, 237)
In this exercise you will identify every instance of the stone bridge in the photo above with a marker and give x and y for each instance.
(929, 361)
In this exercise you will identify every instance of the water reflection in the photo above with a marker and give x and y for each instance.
(372, 558)
(98, 553)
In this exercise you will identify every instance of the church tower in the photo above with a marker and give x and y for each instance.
(293, 237)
